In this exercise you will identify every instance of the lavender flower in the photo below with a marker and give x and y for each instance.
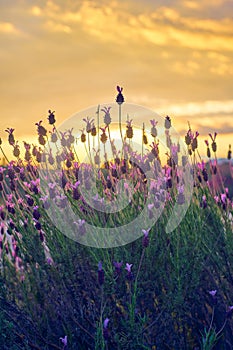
(213, 292)
(229, 311)
(213, 295)
(11, 138)
(64, 341)
(203, 203)
(81, 226)
(107, 117)
(129, 272)
(167, 122)
(118, 266)
(105, 329)
(145, 240)
(153, 128)
(120, 98)
(89, 123)
(40, 129)
(36, 214)
(213, 145)
(51, 117)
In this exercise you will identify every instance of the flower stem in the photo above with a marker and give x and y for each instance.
(4, 155)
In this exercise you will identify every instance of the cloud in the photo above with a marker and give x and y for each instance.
(165, 26)
(8, 28)
(36, 11)
(190, 67)
(191, 4)
(176, 60)
(57, 27)
(201, 108)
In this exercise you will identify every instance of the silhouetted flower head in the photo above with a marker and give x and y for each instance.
(16, 150)
(153, 128)
(120, 98)
(11, 138)
(41, 129)
(229, 153)
(167, 123)
(188, 137)
(51, 117)
(208, 149)
(103, 136)
(83, 136)
(53, 135)
(129, 129)
(89, 123)
(213, 138)
(107, 117)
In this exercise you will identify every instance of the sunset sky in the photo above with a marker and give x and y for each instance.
(174, 56)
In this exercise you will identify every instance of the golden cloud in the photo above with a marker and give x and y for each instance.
(8, 28)
(165, 26)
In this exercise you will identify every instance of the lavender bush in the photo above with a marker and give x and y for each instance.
(167, 289)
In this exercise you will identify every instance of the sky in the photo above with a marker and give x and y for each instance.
(173, 56)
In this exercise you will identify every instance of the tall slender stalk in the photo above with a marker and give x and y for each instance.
(4, 155)
(120, 126)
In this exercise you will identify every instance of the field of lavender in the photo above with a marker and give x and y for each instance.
(137, 287)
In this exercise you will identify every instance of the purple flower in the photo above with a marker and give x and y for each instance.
(223, 198)
(106, 321)
(35, 186)
(30, 200)
(153, 122)
(118, 266)
(229, 311)
(203, 203)
(213, 292)
(105, 329)
(129, 273)
(61, 201)
(145, 240)
(46, 202)
(36, 213)
(64, 341)
(2, 212)
(49, 261)
(150, 210)
(37, 224)
(213, 295)
(81, 226)
(128, 267)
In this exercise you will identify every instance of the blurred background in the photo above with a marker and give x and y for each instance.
(173, 56)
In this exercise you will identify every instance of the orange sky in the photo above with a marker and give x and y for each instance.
(174, 56)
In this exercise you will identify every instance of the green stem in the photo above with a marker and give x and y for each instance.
(4, 155)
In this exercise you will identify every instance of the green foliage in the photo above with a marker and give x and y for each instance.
(50, 286)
